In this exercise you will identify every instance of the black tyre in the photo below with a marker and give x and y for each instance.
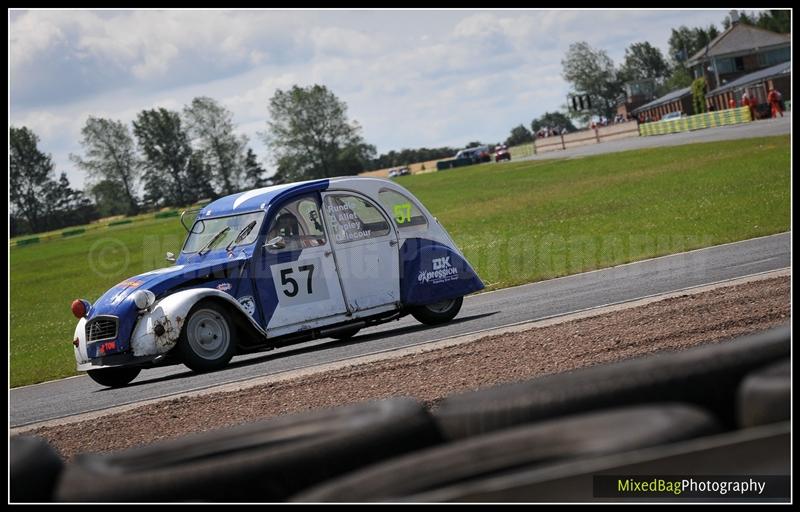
(580, 435)
(438, 313)
(707, 376)
(263, 461)
(345, 335)
(765, 395)
(33, 469)
(114, 377)
(206, 340)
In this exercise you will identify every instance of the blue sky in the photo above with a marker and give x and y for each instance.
(410, 78)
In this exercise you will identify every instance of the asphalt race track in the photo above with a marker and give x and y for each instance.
(55, 399)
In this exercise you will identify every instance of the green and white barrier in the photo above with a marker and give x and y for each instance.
(697, 122)
(522, 150)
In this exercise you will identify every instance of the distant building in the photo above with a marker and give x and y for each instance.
(756, 85)
(743, 58)
(740, 50)
(676, 101)
(637, 93)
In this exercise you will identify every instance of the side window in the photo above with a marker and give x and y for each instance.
(404, 211)
(353, 218)
(299, 224)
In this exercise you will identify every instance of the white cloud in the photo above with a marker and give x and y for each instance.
(30, 36)
(410, 79)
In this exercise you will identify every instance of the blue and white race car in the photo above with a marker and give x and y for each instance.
(276, 266)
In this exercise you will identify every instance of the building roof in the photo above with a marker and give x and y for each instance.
(758, 76)
(672, 96)
(740, 38)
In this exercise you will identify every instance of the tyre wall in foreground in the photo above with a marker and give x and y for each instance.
(720, 409)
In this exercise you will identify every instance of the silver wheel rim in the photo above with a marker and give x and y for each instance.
(441, 307)
(208, 334)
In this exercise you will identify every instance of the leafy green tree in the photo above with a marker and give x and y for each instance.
(679, 78)
(642, 61)
(555, 120)
(519, 135)
(310, 136)
(111, 155)
(211, 128)
(776, 20)
(684, 42)
(699, 95)
(65, 206)
(744, 18)
(409, 156)
(30, 172)
(167, 156)
(106, 194)
(592, 72)
(255, 175)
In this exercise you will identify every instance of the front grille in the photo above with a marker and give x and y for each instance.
(101, 328)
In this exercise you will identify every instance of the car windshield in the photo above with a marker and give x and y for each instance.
(204, 231)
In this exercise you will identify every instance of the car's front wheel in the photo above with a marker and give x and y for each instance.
(114, 377)
(206, 341)
(438, 313)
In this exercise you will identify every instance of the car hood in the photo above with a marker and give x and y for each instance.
(117, 300)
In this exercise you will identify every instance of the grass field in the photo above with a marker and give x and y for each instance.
(517, 222)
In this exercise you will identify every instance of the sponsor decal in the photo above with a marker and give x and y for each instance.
(248, 304)
(402, 213)
(442, 272)
(224, 287)
(347, 226)
(108, 346)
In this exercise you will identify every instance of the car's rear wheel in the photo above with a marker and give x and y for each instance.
(114, 377)
(439, 312)
(206, 341)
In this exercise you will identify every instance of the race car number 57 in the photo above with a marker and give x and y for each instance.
(293, 288)
(300, 282)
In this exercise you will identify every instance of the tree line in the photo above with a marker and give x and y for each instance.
(169, 158)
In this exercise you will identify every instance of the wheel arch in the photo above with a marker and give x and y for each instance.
(170, 313)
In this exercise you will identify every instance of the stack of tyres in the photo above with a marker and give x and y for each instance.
(721, 408)
(544, 439)
(266, 461)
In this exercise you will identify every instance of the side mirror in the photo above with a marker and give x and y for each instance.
(171, 257)
(275, 243)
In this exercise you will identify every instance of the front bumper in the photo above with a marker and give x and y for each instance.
(117, 360)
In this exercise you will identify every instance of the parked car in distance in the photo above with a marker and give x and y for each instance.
(272, 267)
(671, 115)
(501, 153)
(477, 154)
(399, 171)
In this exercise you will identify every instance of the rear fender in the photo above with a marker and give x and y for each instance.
(432, 272)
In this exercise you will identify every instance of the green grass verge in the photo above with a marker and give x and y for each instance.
(516, 223)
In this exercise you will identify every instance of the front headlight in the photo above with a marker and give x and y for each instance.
(144, 298)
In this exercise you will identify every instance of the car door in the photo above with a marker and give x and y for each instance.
(366, 248)
(297, 281)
